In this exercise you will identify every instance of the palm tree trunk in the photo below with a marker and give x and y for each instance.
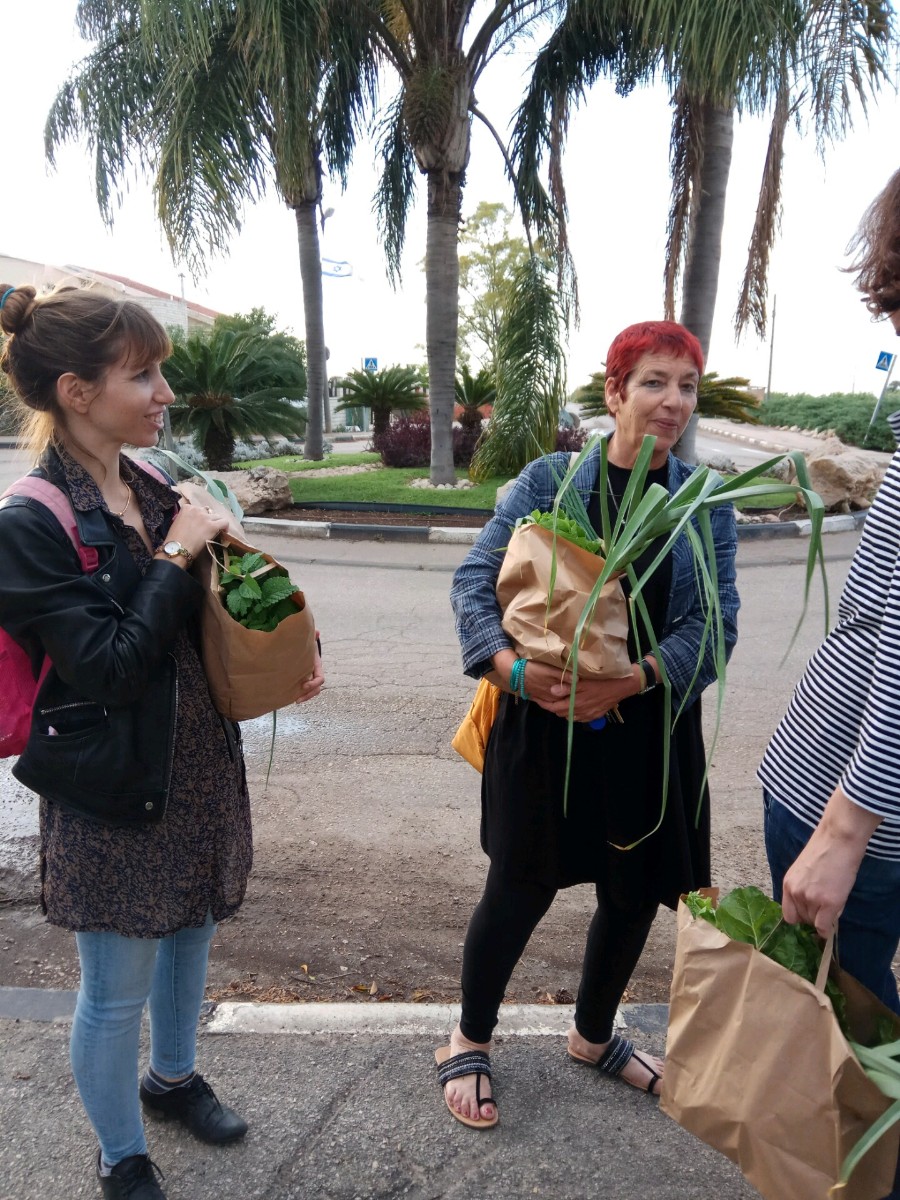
(701, 273)
(442, 314)
(314, 322)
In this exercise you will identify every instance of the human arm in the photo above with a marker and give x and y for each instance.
(818, 883)
(473, 592)
(103, 637)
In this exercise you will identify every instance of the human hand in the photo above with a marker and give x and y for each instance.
(593, 697)
(816, 887)
(311, 687)
(194, 526)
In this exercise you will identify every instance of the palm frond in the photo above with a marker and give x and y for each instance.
(530, 376)
(109, 101)
(685, 163)
(751, 307)
(846, 52)
(396, 187)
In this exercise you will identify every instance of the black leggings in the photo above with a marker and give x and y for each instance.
(501, 925)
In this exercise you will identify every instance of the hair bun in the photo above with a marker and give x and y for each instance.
(17, 306)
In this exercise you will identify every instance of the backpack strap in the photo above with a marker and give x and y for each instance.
(151, 469)
(35, 488)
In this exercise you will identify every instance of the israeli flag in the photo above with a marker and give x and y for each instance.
(337, 270)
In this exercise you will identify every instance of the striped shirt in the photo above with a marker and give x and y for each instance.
(843, 723)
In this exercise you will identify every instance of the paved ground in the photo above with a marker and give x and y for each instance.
(367, 840)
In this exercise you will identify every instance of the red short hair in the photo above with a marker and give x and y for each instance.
(650, 337)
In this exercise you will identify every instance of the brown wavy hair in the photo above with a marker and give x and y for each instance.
(876, 245)
(79, 330)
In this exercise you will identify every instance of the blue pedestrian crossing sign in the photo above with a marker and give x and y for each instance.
(371, 364)
(884, 361)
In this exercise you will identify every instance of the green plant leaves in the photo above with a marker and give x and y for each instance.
(257, 593)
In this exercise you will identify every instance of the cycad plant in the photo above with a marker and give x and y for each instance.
(715, 398)
(473, 394)
(393, 389)
(232, 384)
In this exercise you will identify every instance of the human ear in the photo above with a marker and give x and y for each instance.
(74, 393)
(612, 395)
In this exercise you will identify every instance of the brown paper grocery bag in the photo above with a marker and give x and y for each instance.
(548, 636)
(757, 1067)
(250, 672)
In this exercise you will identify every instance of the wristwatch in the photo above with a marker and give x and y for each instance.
(175, 550)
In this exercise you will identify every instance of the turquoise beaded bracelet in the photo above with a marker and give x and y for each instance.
(517, 678)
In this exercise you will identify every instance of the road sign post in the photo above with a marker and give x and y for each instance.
(885, 362)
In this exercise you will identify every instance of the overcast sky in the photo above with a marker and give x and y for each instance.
(617, 177)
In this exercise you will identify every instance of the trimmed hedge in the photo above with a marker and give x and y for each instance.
(847, 414)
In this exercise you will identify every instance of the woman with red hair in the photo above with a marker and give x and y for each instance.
(536, 846)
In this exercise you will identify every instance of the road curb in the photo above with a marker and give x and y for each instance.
(839, 523)
(44, 1005)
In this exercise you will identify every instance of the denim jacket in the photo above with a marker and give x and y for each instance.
(478, 615)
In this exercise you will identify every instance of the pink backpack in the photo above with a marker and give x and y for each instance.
(19, 685)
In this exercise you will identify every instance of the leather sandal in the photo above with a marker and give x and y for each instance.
(469, 1062)
(616, 1057)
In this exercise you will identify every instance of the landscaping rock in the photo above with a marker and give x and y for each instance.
(843, 477)
(259, 490)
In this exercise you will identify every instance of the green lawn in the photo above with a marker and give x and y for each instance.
(391, 485)
(292, 463)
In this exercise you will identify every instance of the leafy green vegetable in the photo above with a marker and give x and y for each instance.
(257, 593)
(748, 915)
(566, 527)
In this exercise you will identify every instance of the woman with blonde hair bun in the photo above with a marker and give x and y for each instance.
(144, 813)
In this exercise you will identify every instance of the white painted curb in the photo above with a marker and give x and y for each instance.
(520, 1020)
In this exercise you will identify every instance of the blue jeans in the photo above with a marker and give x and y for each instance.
(869, 926)
(118, 976)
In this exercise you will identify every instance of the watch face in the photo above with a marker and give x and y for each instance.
(173, 548)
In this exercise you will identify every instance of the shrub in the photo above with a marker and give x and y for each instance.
(847, 415)
(407, 442)
(569, 440)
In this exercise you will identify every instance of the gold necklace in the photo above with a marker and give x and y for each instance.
(127, 502)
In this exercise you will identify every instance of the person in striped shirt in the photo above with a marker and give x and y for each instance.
(831, 773)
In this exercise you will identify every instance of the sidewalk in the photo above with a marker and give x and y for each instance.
(351, 1110)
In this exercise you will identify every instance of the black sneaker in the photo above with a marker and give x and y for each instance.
(133, 1178)
(195, 1105)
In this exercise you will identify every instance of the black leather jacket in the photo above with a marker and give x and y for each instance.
(111, 694)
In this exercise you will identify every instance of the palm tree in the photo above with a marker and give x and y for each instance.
(473, 394)
(428, 127)
(393, 389)
(715, 398)
(216, 100)
(232, 384)
(720, 61)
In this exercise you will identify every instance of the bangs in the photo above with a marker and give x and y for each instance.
(141, 337)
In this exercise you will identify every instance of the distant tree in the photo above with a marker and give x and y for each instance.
(393, 389)
(232, 384)
(530, 377)
(218, 100)
(488, 261)
(715, 398)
